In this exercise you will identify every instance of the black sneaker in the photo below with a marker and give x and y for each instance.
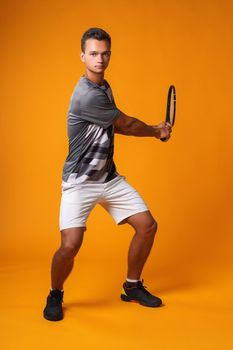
(139, 294)
(53, 310)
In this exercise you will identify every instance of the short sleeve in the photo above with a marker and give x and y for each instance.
(96, 108)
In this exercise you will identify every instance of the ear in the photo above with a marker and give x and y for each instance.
(82, 57)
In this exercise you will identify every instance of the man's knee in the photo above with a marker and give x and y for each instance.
(151, 228)
(68, 251)
(144, 223)
(71, 241)
(154, 227)
(148, 226)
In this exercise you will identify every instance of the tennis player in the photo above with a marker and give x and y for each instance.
(90, 176)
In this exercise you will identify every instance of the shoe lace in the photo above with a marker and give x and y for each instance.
(143, 287)
(56, 300)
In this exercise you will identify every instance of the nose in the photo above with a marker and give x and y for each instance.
(100, 58)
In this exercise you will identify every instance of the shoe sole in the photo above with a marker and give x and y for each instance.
(128, 299)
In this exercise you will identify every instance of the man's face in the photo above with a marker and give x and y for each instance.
(97, 55)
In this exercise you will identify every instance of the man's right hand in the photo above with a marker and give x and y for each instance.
(164, 130)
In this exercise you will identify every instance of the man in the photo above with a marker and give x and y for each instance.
(90, 176)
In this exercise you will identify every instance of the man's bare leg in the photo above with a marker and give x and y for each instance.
(145, 229)
(63, 259)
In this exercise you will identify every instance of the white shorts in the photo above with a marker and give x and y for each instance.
(117, 197)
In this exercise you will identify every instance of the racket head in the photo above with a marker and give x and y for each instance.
(171, 105)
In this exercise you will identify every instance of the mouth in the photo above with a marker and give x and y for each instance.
(99, 66)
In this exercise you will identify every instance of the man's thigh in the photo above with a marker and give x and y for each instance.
(76, 204)
(122, 201)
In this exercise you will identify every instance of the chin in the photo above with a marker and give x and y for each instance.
(100, 70)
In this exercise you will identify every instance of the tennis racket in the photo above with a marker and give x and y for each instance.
(171, 108)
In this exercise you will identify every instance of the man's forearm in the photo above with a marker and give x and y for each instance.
(139, 128)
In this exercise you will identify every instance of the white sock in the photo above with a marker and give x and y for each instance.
(62, 290)
(130, 280)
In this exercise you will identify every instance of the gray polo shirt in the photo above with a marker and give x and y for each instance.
(91, 113)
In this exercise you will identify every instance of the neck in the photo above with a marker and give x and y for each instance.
(97, 78)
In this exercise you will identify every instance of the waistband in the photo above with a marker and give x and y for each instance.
(105, 184)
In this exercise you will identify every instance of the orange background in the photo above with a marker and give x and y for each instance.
(187, 182)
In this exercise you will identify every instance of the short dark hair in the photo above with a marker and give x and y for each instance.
(95, 33)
